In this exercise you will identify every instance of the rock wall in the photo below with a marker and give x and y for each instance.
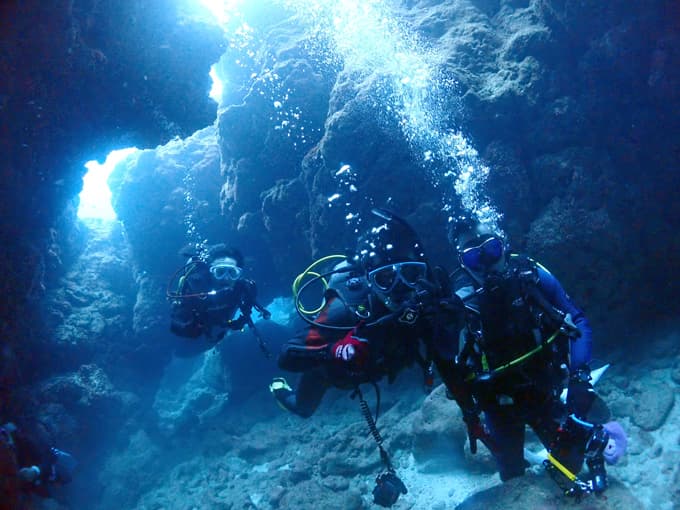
(81, 78)
(571, 116)
(567, 102)
(572, 105)
(529, 92)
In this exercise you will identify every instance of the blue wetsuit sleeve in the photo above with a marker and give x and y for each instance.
(581, 347)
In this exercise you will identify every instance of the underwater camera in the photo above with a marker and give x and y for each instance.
(595, 458)
(388, 488)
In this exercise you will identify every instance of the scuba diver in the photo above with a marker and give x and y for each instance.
(371, 322)
(210, 290)
(29, 465)
(384, 310)
(524, 339)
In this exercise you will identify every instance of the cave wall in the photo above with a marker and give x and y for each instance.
(573, 106)
(79, 79)
(573, 114)
(569, 104)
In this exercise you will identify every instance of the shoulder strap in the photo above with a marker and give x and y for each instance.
(528, 273)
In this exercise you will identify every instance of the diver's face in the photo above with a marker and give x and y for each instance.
(482, 254)
(225, 271)
(398, 297)
(396, 284)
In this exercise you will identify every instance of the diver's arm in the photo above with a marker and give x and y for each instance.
(312, 346)
(248, 290)
(581, 346)
(460, 390)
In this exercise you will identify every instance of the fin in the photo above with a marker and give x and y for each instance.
(595, 375)
(535, 458)
(598, 373)
(280, 388)
(599, 413)
(278, 384)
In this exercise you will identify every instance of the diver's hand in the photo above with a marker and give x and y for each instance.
(351, 352)
(454, 304)
(569, 328)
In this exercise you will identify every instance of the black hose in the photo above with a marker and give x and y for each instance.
(372, 427)
(256, 333)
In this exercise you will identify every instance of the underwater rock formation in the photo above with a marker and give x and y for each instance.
(571, 105)
(80, 79)
(539, 492)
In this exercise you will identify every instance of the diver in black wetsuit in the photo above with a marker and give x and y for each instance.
(30, 464)
(383, 312)
(210, 291)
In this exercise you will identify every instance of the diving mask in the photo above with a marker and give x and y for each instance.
(484, 255)
(385, 278)
(225, 270)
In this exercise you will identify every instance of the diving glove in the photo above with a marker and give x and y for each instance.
(351, 353)
(569, 328)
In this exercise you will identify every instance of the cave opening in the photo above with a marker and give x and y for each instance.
(95, 197)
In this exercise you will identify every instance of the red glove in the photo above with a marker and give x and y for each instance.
(351, 352)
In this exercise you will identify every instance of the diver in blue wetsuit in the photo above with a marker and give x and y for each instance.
(524, 339)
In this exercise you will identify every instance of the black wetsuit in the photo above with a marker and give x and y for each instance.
(29, 445)
(393, 344)
(513, 314)
(204, 310)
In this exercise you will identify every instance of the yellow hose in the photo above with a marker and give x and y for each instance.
(561, 467)
(516, 361)
(309, 272)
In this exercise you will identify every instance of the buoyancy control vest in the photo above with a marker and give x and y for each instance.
(390, 341)
(351, 306)
(514, 319)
